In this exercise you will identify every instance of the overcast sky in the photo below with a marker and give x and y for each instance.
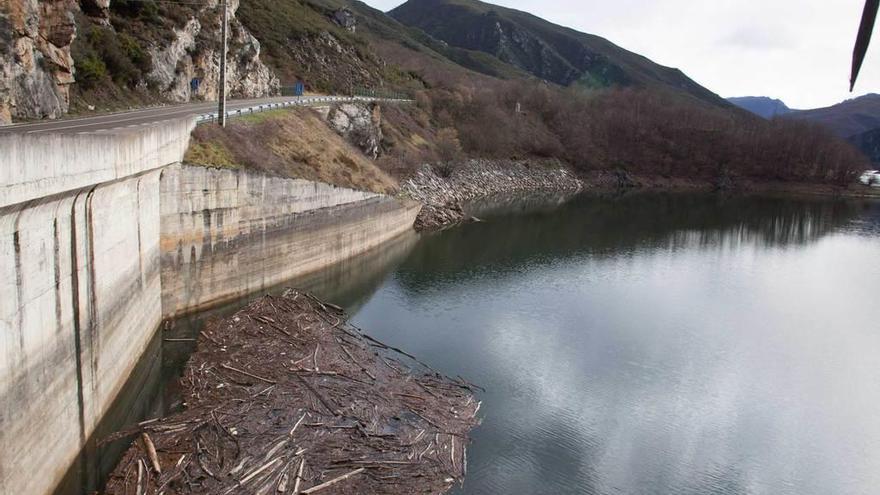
(795, 50)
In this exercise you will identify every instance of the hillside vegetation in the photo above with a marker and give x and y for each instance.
(651, 121)
(848, 118)
(630, 131)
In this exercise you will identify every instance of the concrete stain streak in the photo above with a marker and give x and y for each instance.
(16, 246)
(77, 331)
(140, 242)
(94, 345)
(56, 263)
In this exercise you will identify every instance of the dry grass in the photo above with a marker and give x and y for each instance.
(211, 154)
(294, 143)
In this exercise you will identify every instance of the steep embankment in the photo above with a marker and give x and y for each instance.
(36, 65)
(327, 145)
(67, 55)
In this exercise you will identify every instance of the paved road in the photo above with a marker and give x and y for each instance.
(133, 118)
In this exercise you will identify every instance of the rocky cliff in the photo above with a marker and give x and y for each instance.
(360, 124)
(153, 48)
(36, 66)
(194, 54)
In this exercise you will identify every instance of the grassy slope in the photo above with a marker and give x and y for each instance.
(293, 143)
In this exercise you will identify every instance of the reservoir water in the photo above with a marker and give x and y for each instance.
(649, 344)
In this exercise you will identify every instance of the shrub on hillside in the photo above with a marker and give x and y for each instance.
(101, 52)
(90, 71)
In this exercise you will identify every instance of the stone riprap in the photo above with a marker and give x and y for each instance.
(446, 189)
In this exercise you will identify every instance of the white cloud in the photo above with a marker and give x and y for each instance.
(797, 50)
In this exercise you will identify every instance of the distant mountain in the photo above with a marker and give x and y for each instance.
(762, 105)
(847, 119)
(869, 143)
(546, 50)
(856, 120)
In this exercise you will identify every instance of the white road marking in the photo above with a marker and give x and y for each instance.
(163, 114)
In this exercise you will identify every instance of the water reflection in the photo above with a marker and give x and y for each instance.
(667, 344)
(656, 344)
(598, 226)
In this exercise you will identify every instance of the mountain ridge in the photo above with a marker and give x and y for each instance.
(763, 106)
(549, 51)
(847, 118)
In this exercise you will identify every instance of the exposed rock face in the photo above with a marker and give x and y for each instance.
(327, 61)
(345, 18)
(195, 54)
(97, 9)
(36, 66)
(360, 124)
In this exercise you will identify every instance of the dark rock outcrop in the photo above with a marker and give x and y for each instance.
(346, 19)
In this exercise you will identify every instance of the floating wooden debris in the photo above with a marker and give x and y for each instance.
(285, 397)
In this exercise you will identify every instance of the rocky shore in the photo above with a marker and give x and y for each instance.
(446, 190)
(286, 397)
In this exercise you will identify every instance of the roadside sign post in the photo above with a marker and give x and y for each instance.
(221, 88)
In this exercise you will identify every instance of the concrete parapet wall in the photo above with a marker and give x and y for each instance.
(229, 233)
(80, 285)
(38, 165)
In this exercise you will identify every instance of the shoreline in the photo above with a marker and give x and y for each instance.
(445, 190)
(608, 181)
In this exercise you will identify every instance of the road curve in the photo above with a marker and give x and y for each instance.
(134, 118)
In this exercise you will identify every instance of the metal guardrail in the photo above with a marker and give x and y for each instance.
(302, 101)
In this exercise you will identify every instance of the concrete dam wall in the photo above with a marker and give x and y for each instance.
(227, 233)
(88, 272)
(81, 299)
